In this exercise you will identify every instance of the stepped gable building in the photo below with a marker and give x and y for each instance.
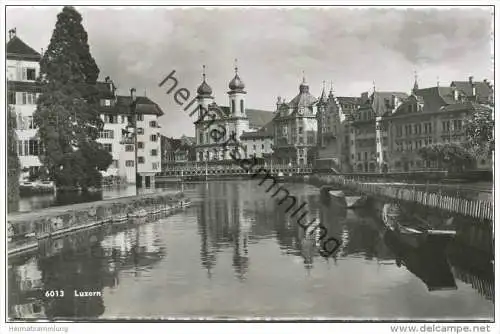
(432, 115)
(117, 114)
(235, 119)
(295, 128)
(23, 68)
(334, 114)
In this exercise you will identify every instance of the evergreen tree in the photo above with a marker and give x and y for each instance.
(67, 111)
(13, 165)
(480, 127)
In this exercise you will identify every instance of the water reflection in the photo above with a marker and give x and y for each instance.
(237, 251)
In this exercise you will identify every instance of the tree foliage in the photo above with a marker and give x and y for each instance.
(449, 156)
(67, 111)
(13, 165)
(480, 128)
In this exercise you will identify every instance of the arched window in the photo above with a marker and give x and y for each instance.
(242, 107)
(233, 106)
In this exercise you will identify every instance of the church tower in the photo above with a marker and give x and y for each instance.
(237, 95)
(204, 96)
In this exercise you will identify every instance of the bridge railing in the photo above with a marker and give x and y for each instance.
(231, 167)
(467, 207)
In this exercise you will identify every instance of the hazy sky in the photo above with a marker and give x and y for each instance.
(138, 47)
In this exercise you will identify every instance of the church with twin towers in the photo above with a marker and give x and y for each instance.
(251, 127)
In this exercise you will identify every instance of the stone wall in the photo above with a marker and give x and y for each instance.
(25, 229)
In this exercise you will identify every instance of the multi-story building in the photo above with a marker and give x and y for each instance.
(334, 114)
(368, 138)
(295, 129)
(22, 92)
(433, 115)
(259, 144)
(117, 114)
(177, 151)
(234, 120)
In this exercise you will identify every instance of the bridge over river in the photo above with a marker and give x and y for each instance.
(236, 253)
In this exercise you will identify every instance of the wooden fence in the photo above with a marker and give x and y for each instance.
(466, 207)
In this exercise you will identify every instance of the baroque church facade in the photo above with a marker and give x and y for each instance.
(233, 121)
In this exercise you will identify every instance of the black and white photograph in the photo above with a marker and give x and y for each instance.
(249, 164)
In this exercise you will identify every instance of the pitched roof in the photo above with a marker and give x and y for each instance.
(267, 131)
(465, 106)
(436, 97)
(349, 100)
(16, 49)
(483, 90)
(143, 106)
(303, 99)
(382, 101)
(258, 118)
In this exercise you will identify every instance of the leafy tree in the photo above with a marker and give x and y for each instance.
(449, 156)
(67, 111)
(13, 165)
(480, 128)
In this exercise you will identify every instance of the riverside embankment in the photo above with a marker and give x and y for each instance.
(26, 229)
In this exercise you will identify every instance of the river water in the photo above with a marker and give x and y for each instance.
(235, 254)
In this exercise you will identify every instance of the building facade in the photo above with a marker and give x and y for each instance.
(23, 69)
(430, 116)
(295, 129)
(117, 134)
(334, 116)
(227, 122)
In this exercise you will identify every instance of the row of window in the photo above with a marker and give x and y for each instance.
(22, 98)
(140, 160)
(416, 129)
(28, 147)
(21, 73)
(410, 145)
(130, 148)
(116, 119)
(364, 155)
(110, 134)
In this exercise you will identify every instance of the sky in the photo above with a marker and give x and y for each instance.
(354, 49)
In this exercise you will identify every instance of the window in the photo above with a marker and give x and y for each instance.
(129, 148)
(155, 165)
(301, 140)
(254, 148)
(445, 126)
(111, 119)
(366, 155)
(123, 119)
(114, 163)
(201, 137)
(11, 97)
(154, 153)
(20, 148)
(359, 155)
(108, 147)
(242, 107)
(262, 146)
(457, 125)
(233, 106)
(399, 131)
(140, 117)
(140, 144)
(152, 124)
(140, 160)
(300, 130)
(140, 131)
(129, 163)
(107, 134)
(153, 137)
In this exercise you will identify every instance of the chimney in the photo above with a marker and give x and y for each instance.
(12, 33)
(473, 90)
(455, 92)
(471, 79)
(132, 95)
(395, 101)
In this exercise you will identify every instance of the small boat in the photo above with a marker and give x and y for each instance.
(138, 214)
(413, 235)
(120, 219)
(348, 201)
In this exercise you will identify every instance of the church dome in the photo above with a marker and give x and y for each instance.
(204, 89)
(236, 83)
